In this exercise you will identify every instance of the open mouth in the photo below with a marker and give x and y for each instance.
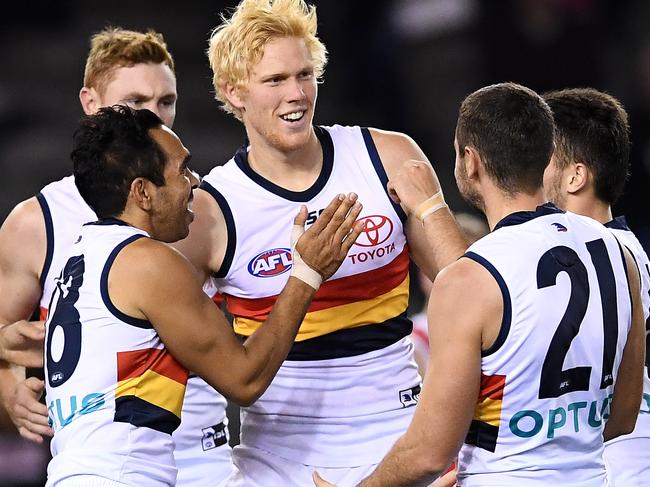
(293, 116)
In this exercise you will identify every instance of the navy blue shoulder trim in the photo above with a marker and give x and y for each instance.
(49, 233)
(379, 169)
(525, 216)
(103, 285)
(618, 223)
(325, 139)
(507, 304)
(230, 228)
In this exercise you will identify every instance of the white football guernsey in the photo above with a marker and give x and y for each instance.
(350, 384)
(201, 441)
(628, 457)
(114, 393)
(547, 381)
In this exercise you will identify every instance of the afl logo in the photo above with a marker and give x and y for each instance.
(378, 229)
(270, 263)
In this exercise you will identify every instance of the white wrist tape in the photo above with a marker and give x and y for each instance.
(300, 269)
(430, 206)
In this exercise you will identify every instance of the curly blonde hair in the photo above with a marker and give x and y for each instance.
(114, 47)
(238, 43)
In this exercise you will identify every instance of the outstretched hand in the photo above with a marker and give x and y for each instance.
(21, 343)
(323, 246)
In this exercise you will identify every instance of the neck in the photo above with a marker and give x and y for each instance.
(295, 169)
(499, 205)
(593, 207)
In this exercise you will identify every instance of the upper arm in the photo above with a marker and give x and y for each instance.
(444, 243)
(205, 246)
(457, 332)
(23, 246)
(152, 281)
(628, 387)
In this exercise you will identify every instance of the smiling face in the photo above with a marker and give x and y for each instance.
(172, 214)
(279, 98)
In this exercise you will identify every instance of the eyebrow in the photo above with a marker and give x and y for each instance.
(186, 161)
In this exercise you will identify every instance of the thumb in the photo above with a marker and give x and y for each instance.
(392, 193)
(301, 217)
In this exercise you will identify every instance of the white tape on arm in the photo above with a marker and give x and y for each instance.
(299, 268)
(430, 206)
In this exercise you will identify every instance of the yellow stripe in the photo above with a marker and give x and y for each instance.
(155, 389)
(322, 322)
(489, 411)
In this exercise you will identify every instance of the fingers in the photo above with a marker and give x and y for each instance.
(352, 237)
(339, 217)
(301, 217)
(35, 385)
(393, 193)
(328, 213)
(33, 330)
(348, 223)
(29, 415)
(26, 358)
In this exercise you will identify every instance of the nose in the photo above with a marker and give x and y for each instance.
(194, 178)
(295, 90)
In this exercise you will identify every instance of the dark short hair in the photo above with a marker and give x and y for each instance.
(110, 149)
(512, 129)
(592, 128)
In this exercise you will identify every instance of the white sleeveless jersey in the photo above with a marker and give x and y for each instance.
(345, 393)
(64, 211)
(620, 229)
(547, 381)
(202, 449)
(114, 393)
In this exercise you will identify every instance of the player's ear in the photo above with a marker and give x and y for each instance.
(578, 177)
(233, 94)
(90, 100)
(472, 160)
(141, 193)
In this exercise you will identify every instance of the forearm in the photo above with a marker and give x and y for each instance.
(444, 240)
(268, 347)
(404, 466)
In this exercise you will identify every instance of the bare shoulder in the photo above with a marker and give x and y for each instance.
(466, 277)
(395, 147)
(26, 219)
(23, 236)
(205, 246)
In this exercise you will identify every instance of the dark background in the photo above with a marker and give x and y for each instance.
(400, 65)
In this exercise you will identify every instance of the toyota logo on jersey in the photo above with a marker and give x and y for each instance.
(377, 230)
(270, 263)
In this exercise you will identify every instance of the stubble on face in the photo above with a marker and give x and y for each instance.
(553, 190)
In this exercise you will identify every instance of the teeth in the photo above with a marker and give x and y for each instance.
(293, 116)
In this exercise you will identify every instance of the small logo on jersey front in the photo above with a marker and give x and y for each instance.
(410, 397)
(377, 230)
(559, 227)
(55, 378)
(214, 436)
(270, 263)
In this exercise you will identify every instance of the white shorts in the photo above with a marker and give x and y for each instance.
(258, 468)
(628, 462)
(86, 481)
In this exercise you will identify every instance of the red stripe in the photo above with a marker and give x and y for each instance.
(492, 387)
(346, 290)
(43, 313)
(137, 362)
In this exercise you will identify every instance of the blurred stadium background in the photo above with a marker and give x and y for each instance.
(400, 65)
